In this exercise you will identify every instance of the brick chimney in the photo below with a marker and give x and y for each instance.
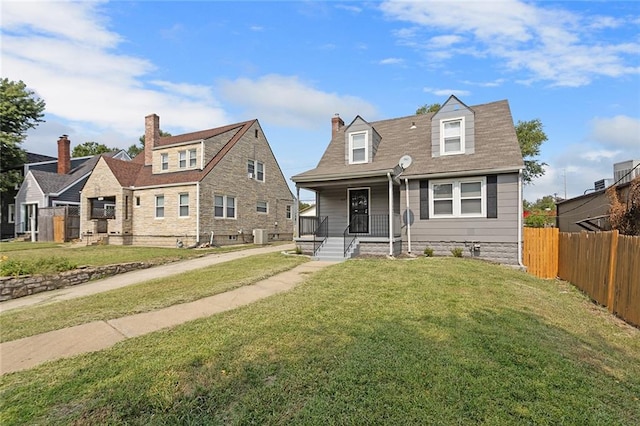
(64, 155)
(151, 137)
(336, 124)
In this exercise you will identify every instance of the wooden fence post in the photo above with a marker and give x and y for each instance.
(613, 253)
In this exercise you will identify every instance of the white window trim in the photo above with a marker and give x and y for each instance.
(251, 169)
(225, 205)
(164, 165)
(180, 205)
(11, 213)
(457, 201)
(192, 154)
(462, 136)
(366, 147)
(259, 163)
(155, 207)
(267, 207)
(288, 212)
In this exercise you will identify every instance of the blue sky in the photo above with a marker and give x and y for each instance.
(102, 67)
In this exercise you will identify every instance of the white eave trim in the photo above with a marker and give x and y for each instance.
(342, 176)
(174, 145)
(168, 185)
(464, 173)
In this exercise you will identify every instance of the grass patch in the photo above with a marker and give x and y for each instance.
(35, 258)
(426, 341)
(144, 297)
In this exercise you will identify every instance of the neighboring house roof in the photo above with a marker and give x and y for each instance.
(496, 148)
(54, 183)
(136, 174)
(38, 158)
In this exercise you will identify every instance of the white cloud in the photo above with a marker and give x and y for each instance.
(619, 131)
(447, 92)
(256, 28)
(495, 83)
(349, 8)
(75, 70)
(596, 155)
(287, 101)
(444, 41)
(391, 61)
(549, 43)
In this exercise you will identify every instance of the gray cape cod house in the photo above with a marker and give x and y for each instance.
(443, 180)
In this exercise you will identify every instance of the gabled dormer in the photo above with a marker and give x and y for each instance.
(361, 142)
(453, 129)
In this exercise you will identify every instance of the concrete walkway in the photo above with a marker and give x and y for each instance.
(31, 351)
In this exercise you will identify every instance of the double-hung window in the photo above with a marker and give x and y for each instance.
(224, 207)
(159, 206)
(288, 211)
(184, 205)
(164, 161)
(188, 158)
(358, 147)
(452, 136)
(458, 198)
(260, 171)
(255, 170)
(262, 207)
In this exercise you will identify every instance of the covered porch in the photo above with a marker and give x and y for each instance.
(354, 217)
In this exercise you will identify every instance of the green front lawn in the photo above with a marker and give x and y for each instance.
(426, 341)
(144, 297)
(45, 258)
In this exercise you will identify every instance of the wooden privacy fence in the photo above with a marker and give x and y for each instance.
(540, 252)
(604, 265)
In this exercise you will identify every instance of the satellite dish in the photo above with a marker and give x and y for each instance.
(405, 161)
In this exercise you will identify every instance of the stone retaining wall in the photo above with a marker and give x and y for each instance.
(15, 287)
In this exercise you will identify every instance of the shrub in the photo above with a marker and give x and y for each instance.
(456, 252)
(428, 251)
(298, 250)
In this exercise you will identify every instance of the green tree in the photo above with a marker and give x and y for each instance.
(428, 108)
(91, 148)
(531, 137)
(542, 213)
(20, 110)
(134, 149)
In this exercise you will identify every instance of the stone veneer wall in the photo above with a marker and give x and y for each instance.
(15, 287)
(504, 253)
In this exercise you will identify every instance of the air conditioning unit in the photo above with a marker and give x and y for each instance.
(250, 175)
(260, 236)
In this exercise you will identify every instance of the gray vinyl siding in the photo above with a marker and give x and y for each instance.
(502, 229)
(451, 110)
(334, 202)
(359, 125)
(72, 194)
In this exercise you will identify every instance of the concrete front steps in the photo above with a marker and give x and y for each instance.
(333, 250)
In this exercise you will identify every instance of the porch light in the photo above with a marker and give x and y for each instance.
(413, 125)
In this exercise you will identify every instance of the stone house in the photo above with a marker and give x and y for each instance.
(219, 186)
(53, 183)
(443, 180)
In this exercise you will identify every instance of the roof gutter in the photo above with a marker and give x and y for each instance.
(342, 176)
(520, 219)
(466, 173)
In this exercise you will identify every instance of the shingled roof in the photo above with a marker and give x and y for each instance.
(136, 174)
(53, 183)
(496, 148)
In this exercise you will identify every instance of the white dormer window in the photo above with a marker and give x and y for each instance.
(358, 152)
(452, 136)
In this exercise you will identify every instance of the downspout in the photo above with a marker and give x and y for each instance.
(296, 232)
(390, 214)
(520, 219)
(198, 212)
(202, 154)
(406, 190)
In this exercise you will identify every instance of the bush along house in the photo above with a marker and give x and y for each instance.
(445, 180)
(218, 186)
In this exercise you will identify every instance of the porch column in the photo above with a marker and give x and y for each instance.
(32, 221)
(296, 209)
(390, 214)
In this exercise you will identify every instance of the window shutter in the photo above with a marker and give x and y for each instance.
(492, 196)
(424, 199)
